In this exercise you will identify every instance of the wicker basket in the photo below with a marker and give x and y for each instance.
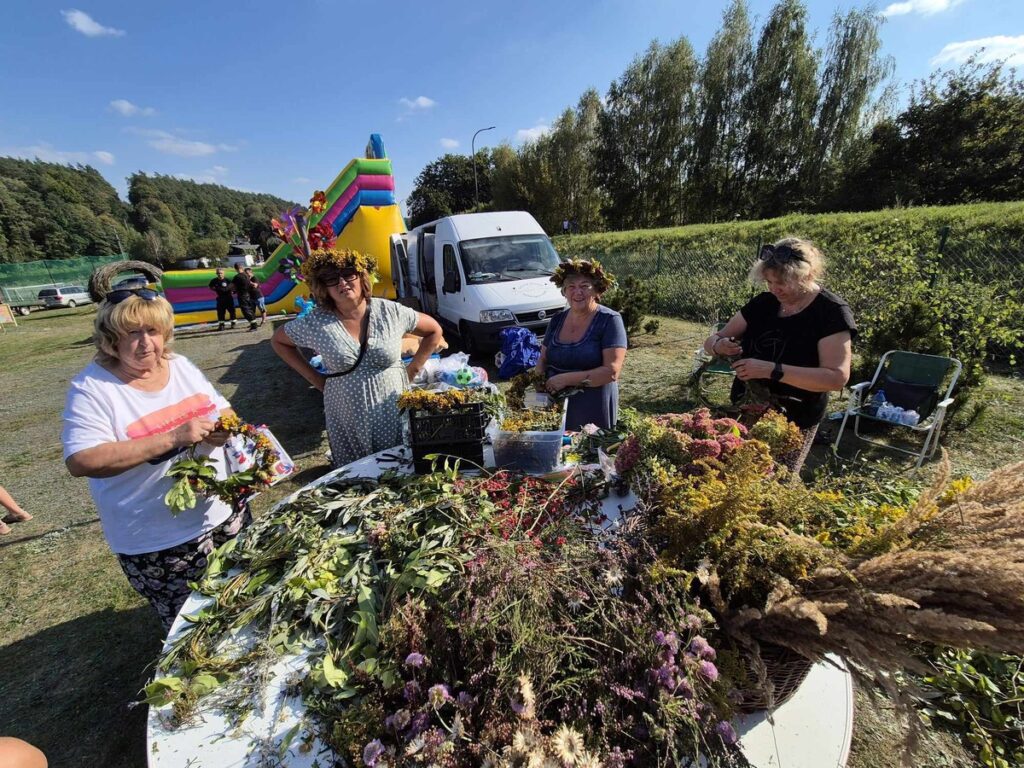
(786, 669)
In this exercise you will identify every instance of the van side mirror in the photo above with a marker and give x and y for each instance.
(451, 282)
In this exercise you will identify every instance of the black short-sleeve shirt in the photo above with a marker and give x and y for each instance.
(793, 340)
(221, 286)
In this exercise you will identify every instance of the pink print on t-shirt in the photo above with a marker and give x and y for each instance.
(165, 419)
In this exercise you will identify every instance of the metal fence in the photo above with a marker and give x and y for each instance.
(20, 283)
(709, 283)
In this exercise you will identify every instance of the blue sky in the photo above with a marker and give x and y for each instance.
(277, 97)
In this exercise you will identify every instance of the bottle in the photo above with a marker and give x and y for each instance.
(878, 398)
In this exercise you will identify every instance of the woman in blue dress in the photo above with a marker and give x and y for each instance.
(585, 346)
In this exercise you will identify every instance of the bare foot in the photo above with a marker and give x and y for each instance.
(4, 528)
(20, 516)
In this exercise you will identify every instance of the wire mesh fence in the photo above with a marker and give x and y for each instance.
(709, 283)
(20, 283)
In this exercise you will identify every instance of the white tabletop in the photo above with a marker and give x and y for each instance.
(810, 730)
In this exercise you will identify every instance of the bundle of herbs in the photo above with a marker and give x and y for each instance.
(462, 621)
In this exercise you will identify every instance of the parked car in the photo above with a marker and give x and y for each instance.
(65, 296)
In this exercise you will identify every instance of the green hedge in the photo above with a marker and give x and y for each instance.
(942, 280)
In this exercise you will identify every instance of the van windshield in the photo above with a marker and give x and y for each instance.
(500, 259)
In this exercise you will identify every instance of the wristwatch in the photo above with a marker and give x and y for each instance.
(776, 372)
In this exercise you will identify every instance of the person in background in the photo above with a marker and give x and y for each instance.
(359, 339)
(796, 338)
(585, 346)
(256, 292)
(221, 286)
(240, 285)
(129, 415)
(15, 514)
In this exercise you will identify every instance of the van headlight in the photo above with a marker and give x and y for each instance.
(496, 315)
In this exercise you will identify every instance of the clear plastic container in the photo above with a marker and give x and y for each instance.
(533, 452)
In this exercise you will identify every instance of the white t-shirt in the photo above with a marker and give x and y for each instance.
(100, 408)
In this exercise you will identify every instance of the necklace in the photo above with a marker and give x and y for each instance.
(798, 306)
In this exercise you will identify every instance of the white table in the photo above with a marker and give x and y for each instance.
(810, 730)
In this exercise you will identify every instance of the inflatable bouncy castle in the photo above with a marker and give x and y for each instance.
(359, 206)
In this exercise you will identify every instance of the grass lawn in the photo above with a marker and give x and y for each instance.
(77, 641)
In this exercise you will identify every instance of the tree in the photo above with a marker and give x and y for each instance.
(721, 123)
(779, 108)
(446, 187)
(851, 75)
(644, 137)
(212, 248)
(961, 139)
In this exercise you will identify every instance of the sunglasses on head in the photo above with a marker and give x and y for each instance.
(116, 297)
(348, 275)
(780, 254)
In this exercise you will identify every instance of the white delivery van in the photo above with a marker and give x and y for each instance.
(478, 273)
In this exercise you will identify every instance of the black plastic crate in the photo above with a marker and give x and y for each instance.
(470, 450)
(461, 424)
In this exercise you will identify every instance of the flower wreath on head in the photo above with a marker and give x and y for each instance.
(342, 258)
(591, 269)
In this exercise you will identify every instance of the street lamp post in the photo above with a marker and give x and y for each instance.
(472, 146)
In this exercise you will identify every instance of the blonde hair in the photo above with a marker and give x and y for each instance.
(115, 321)
(322, 293)
(805, 271)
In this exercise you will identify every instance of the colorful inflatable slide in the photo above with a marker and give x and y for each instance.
(360, 208)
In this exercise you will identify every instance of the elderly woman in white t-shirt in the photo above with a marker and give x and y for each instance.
(128, 417)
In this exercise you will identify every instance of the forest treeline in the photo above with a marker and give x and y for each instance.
(764, 124)
(53, 211)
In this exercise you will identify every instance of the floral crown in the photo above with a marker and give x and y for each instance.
(342, 258)
(587, 268)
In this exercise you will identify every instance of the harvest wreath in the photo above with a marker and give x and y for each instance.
(198, 474)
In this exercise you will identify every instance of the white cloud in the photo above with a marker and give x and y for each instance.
(301, 180)
(82, 22)
(126, 108)
(532, 134)
(988, 49)
(923, 7)
(214, 175)
(49, 154)
(419, 103)
(450, 143)
(168, 143)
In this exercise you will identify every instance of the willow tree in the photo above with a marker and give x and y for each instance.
(720, 134)
(780, 108)
(644, 134)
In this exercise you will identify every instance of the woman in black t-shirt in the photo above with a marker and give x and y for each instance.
(796, 337)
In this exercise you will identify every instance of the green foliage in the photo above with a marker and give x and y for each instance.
(447, 186)
(212, 248)
(979, 695)
(56, 211)
(175, 216)
(634, 300)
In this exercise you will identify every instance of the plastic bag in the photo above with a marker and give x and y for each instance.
(240, 453)
(521, 351)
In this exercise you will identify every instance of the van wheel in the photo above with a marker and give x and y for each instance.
(466, 338)
(72, 304)
(23, 311)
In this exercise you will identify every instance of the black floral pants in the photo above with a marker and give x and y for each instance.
(162, 577)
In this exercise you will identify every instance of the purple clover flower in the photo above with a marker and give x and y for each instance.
(411, 692)
(415, 660)
(438, 695)
(709, 670)
(701, 648)
(726, 732)
(372, 752)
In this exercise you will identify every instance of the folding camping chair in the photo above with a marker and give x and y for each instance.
(913, 382)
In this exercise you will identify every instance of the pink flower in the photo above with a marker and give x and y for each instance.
(705, 449)
(726, 732)
(700, 648)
